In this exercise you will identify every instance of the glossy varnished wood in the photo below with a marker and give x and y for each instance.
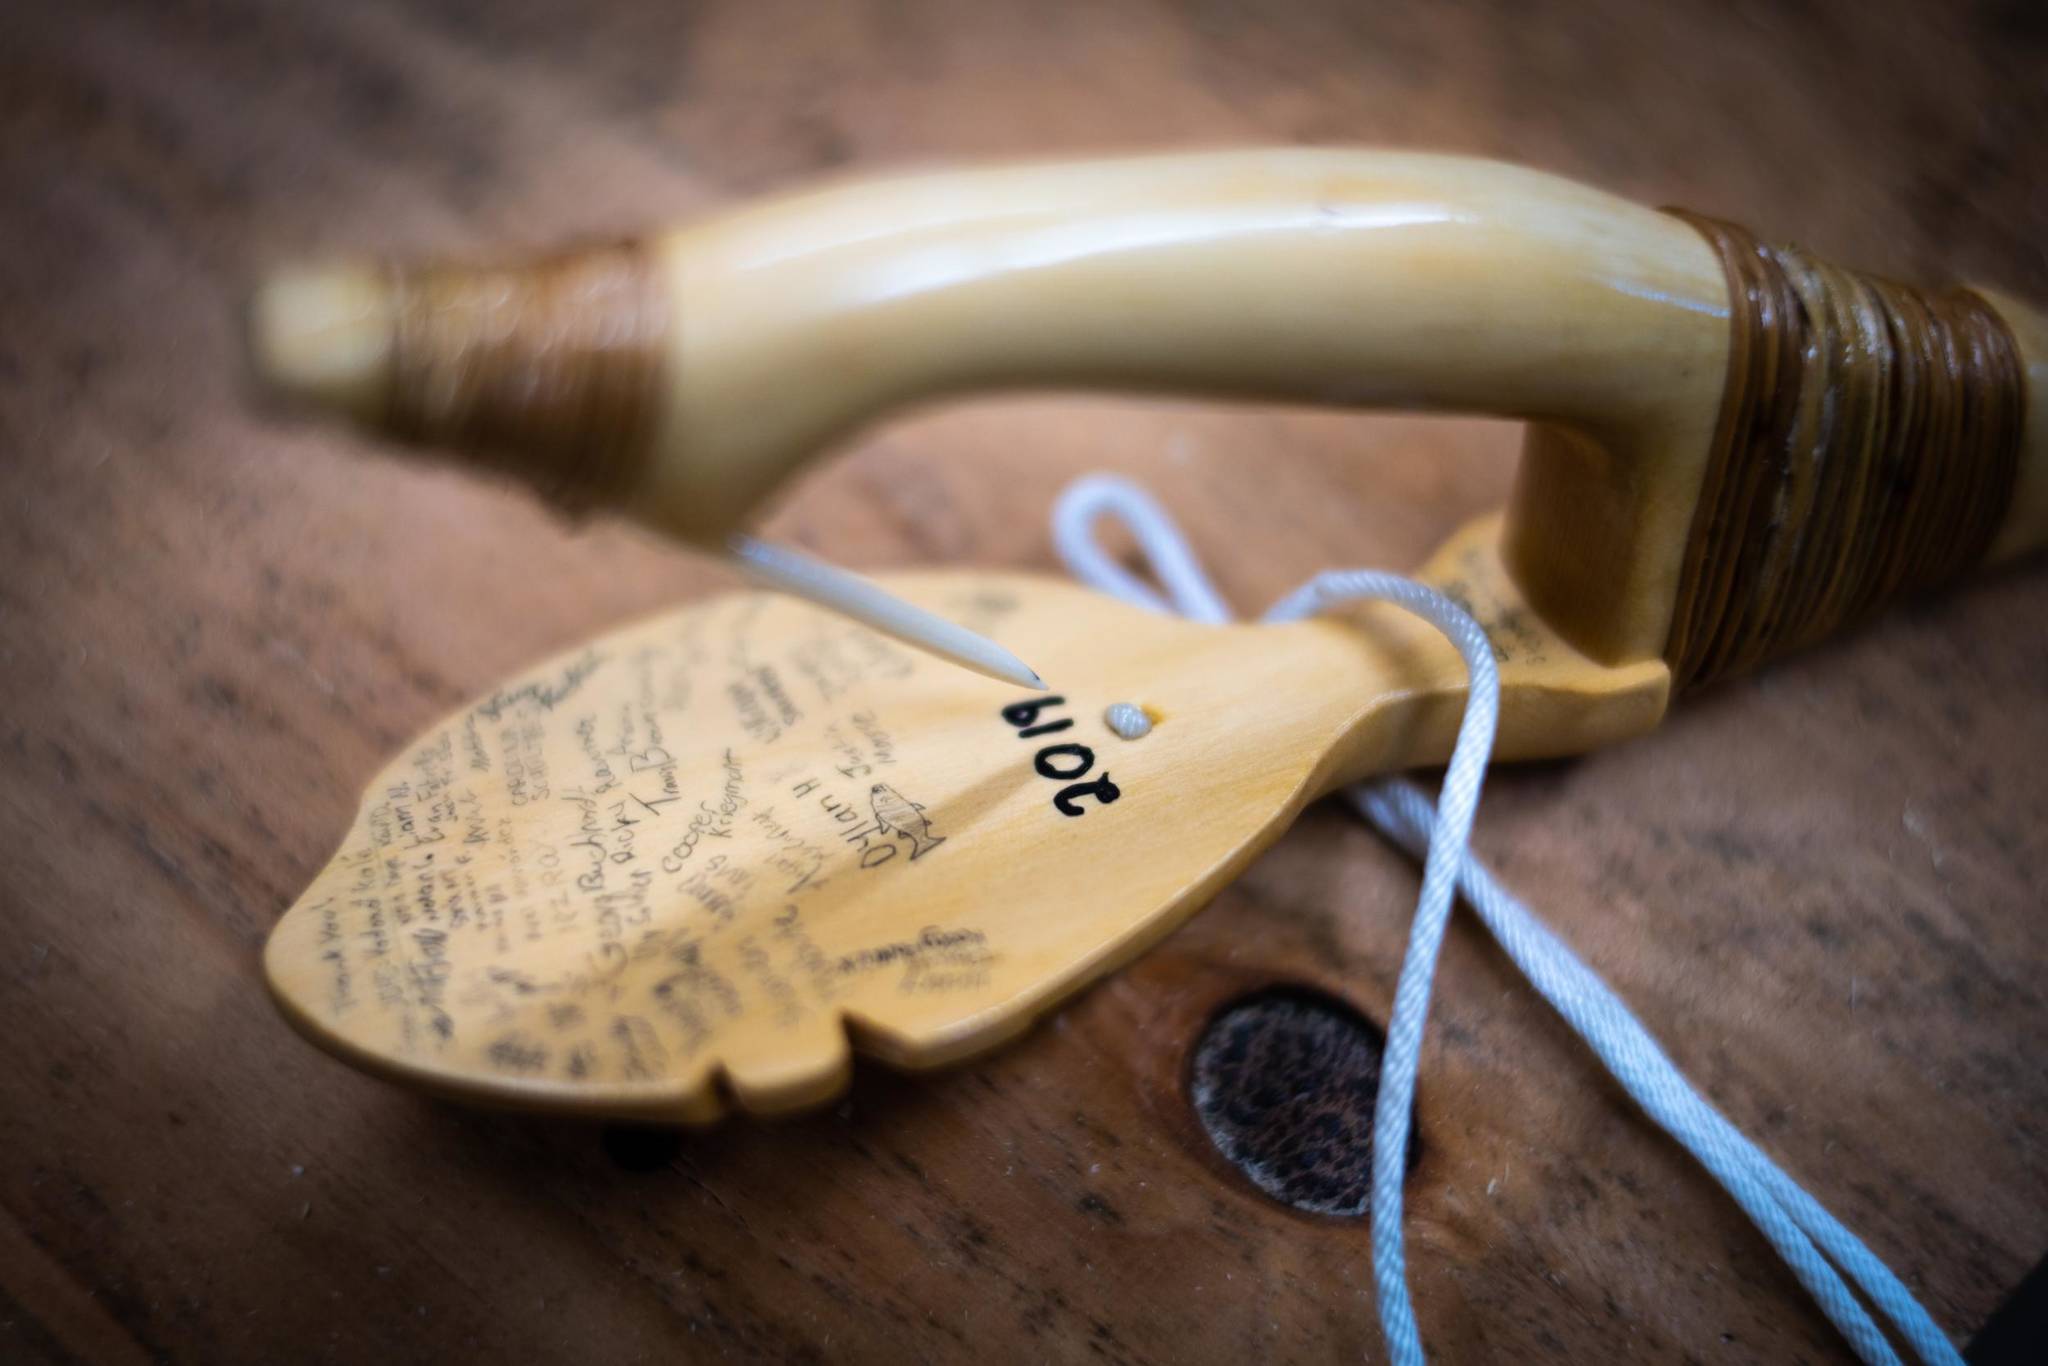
(1821, 885)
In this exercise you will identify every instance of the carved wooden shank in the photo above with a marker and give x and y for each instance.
(1360, 278)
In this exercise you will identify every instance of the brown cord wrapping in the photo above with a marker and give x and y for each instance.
(551, 367)
(1867, 446)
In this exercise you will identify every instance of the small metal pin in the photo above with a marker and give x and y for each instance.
(786, 571)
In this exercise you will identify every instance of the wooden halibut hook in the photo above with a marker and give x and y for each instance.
(688, 862)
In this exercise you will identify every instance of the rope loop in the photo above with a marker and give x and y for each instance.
(1819, 1250)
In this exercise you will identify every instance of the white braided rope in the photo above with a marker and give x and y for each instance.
(1812, 1242)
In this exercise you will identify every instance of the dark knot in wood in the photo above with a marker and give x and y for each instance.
(1284, 1082)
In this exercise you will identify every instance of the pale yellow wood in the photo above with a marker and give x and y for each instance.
(1363, 278)
(325, 335)
(1359, 278)
(657, 873)
(1332, 276)
(676, 973)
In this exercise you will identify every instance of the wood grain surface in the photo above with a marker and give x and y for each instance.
(1822, 887)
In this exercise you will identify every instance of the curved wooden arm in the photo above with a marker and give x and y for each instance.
(1357, 278)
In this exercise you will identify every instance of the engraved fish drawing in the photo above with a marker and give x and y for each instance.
(897, 812)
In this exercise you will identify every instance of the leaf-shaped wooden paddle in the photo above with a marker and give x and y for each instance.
(692, 860)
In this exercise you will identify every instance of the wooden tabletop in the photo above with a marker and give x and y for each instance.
(1822, 887)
